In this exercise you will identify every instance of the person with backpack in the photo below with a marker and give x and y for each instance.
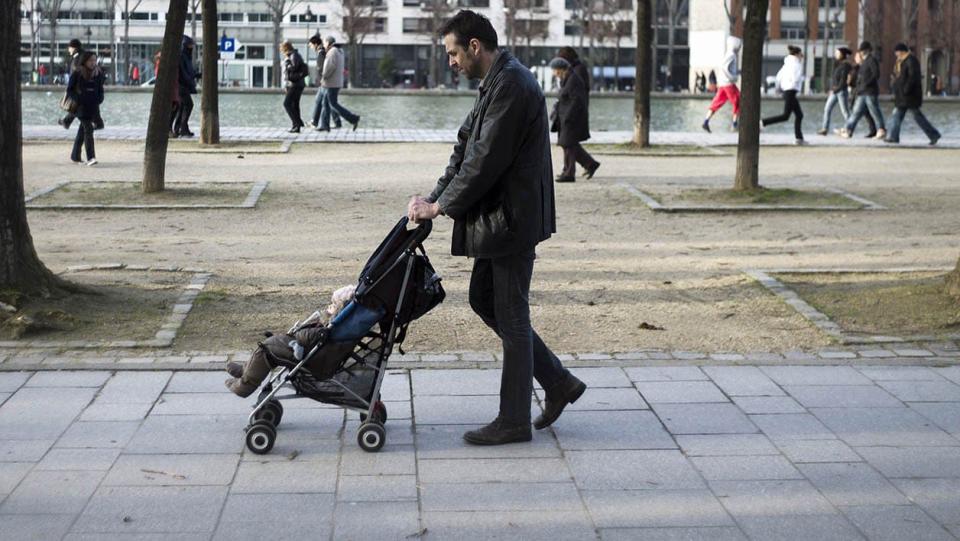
(295, 70)
(85, 87)
(908, 95)
(789, 83)
(838, 89)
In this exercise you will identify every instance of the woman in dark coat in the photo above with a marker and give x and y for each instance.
(571, 122)
(85, 86)
(294, 72)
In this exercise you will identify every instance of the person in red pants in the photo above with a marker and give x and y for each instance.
(727, 84)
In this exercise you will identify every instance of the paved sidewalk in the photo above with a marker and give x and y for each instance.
(378, 135)
(668, 452)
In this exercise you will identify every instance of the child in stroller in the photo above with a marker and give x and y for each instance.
(247, 378)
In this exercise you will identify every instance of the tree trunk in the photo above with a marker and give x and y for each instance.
(644, 79)
(352, 64)
(432, 79)
(748, 146)
(126, 36)
(53, 44)
(671, 39)
(158, 127)
(210, 93)
(953, 282)
(112, 13)
(275, 78)
(20, 268)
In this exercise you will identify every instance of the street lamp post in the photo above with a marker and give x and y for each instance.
(309, 16)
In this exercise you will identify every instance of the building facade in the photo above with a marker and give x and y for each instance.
(395, 44)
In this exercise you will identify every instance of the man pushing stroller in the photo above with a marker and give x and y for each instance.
(498, 188)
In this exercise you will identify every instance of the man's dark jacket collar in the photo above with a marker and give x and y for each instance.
(495, 69)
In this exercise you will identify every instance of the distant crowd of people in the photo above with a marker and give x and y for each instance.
(856, 79)
(330, 70)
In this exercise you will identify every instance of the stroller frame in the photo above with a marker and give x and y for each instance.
(261, 430)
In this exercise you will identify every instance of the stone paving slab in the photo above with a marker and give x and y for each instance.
(176, 467)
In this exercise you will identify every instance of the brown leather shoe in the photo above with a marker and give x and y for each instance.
(557, 398)
(235, 369)
(499, 432)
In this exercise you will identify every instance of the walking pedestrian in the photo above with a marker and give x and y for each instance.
(727, 84)
(789, 83)
(187, 85)
(294, 72)
(85, 86)
(569, 119)
(577, 66)
(74, 49)
(838, 89)
(316, 43)
(499, 191)
(908, 95)
(332, 81)
(852, 82)
(868, 88)
(134, 74)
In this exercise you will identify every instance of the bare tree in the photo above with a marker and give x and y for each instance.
(194, 6)
(155, 155)
(871, 12)
(279, 9)
(613, 23)
(110, 6)
(731, 12)
(748, 146)
(210, 93)
(438, 12)
(909, 11)
(33, 7)
(50, 10)
(644, 76)
(125, 14)
(21, 271)
(357, 21)
(522, 26)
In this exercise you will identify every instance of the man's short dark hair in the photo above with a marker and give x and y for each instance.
(793, 50)
(75, 43)
(468, 25)
(865, 46)
(315, 39)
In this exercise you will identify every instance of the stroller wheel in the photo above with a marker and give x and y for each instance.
(271, 412)
(379, 413)
(371, 437)
(260, 437)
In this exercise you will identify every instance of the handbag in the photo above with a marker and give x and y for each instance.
(69, 104)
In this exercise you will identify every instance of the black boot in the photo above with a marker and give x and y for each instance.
(557, 398)
(499, 432)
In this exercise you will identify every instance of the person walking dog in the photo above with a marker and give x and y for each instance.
(571, 122)
(85, 86)
(838, 89)
(294, 72)
(789, 83)
(908, 95)
(499, 191)
(332, 81)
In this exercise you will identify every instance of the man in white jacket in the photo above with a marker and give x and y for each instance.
(727, 84)
(790, 82)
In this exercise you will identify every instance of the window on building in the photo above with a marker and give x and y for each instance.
(411, 3)
(303, 18)
(473, 3)
(793, 3)
(142, 16)
(840, 4)
(256, 52)
(572, 29)
(94, 15)
(259, 17)
(416, 25)
(230, 17)
(793, 31)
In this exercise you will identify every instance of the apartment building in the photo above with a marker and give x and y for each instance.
(395, 47)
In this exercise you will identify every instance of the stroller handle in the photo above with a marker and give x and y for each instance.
(422, 231)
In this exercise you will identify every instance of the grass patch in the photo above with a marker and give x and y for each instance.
(630, 149)
(129, 193)
(121, 305)
(889, 304)
(762, 196)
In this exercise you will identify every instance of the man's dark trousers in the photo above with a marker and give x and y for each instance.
(499, 294)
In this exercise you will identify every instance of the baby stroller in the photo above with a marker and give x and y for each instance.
(346, 364)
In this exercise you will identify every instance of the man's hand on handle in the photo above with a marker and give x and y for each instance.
(419, 209)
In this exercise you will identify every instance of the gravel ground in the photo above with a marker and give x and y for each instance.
(612, 266)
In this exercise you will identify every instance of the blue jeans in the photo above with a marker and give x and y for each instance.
(318, 107)
(860, 106)
(332, 104)
(500, 295)
(896, 120)
(834, 99)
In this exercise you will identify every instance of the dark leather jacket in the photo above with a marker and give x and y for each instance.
(908, 84)
(868, 77)
(498, 186)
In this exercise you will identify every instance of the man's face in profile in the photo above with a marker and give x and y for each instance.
(464, 60)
